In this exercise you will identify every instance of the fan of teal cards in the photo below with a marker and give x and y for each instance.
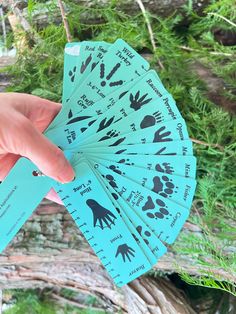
(130, 149)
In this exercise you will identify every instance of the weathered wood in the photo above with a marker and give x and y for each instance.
(50, 251)
(50, 242)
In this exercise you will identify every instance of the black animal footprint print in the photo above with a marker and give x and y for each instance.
(158, 214)
(102, 217)
(164, 167)
(144, 234)
(125, 251)
(72, 74)
(118, 142)
(161, 136)
(163, 186)
(109, 76)
(76, 119)
(151, 120)
(105, 123)
(126, 161)
(116, 169)
(85, 64)
(110, 134)
(162, 152)
(136, 102)
(111, 181)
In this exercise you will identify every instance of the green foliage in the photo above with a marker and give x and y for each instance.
(37, 302)
(39, 71)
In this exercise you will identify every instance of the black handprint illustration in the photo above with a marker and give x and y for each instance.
(72, 74)
(85, 64)
(105, 123)
(109, 76)
(162, 137)
(125, 251)
(164, 167)
(151, 120)
(102, 216)
(136, 103)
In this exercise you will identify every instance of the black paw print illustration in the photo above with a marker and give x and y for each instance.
(85, 64)
(109, 76)
(162, 137)
(105, 123)
(125, 251)
(126, 161)
(110, 134)
(144, 234)
(162, 150)
(164, 167)
(102, 217)
(150, 205)
(136, 103)
(163, 186)
(151, 120)
(72, 74)
(116, 169)
(111, 181)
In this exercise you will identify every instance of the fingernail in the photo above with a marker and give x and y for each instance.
(68, 174)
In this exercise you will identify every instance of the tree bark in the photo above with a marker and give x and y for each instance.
(50, 251)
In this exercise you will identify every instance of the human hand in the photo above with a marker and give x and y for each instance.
(23, 118)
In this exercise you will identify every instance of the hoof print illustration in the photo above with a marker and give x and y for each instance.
(109, 76)
(161, 136)
(164, 167)
(126, 252)
(136, 102)
(72, 74)
(102, 217)
(151, 120)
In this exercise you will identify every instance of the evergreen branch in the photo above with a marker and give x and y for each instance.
(215, 53)
(223, 18)
(65, 21)
(151, 34)
(207, 144)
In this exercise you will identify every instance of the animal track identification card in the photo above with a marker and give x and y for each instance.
(128, 143)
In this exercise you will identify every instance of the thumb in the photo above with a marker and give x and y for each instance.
(43, 153)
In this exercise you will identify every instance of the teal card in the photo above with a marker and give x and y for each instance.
(123, 134)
